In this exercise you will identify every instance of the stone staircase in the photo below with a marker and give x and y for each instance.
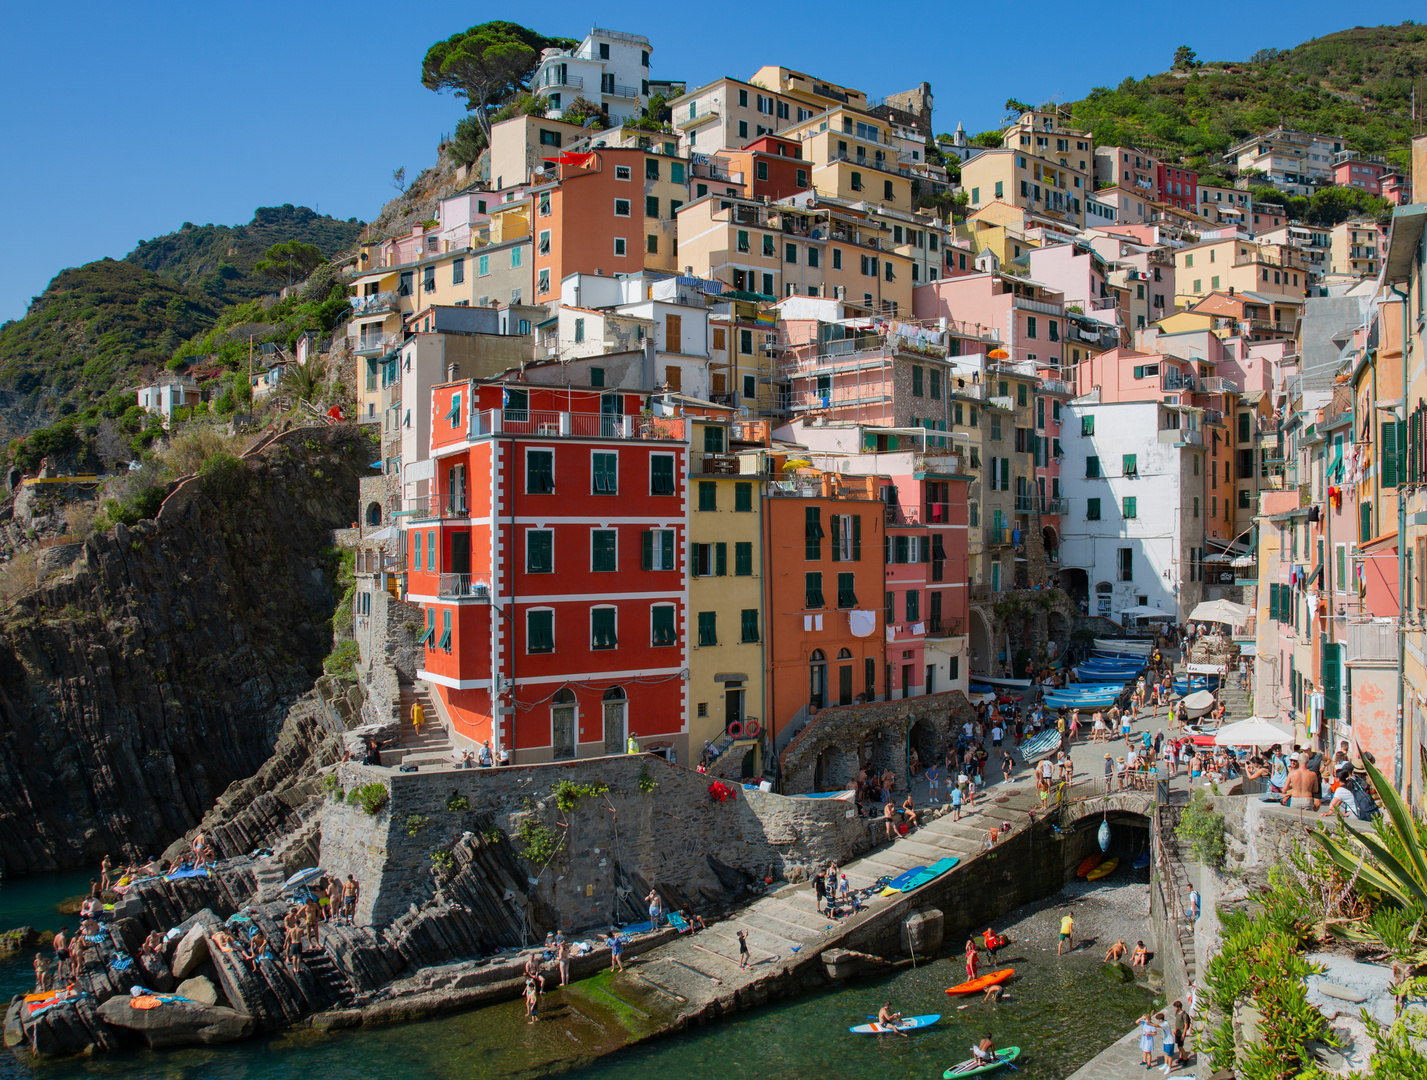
(433, 746)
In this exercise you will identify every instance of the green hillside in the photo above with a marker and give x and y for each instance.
(100, 328)
(1356, 83)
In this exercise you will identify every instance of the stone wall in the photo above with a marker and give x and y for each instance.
(845, 737)
(614, 848)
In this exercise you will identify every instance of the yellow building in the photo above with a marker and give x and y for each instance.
(1355, 247)
(1238, 265)
(520, 145)
(726, 618)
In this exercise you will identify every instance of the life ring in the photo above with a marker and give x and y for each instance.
(735, 730)
(752, 729)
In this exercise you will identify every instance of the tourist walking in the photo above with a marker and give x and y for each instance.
(743, 947)
(1067, 935)
(418, 717)
(616, 951)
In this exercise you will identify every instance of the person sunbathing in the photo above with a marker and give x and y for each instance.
(1116, 953)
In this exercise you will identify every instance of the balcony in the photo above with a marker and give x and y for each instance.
(464, 587)
(935, 459)
(379, 562)
(391, 396)
(1105, 303)
(1052, 507)
(612, 89)
(375, 304)
(944, 628)
(714, 464)
(993, 537)
(1056, 386)
(1216, 385)
(1181, 437)
(686, 121)
(825, 486)
(571, 425)
(434, 507)
(867, 163)
(1040, 307)
(904, 515)
(1025, 504)
(555, 80)
(1372, 640)
(376, 344)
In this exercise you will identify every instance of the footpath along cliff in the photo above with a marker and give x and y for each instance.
(136, 685)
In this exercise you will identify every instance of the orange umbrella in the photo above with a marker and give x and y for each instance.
(998, 354)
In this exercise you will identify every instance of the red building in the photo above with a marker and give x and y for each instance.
(771, 167)
(1178, 187)
(1397, 189)
(549, 560)
(1365, 174)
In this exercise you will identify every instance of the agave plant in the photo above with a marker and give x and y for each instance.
(1390, 864)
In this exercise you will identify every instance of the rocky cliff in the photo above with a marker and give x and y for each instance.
(135, 687)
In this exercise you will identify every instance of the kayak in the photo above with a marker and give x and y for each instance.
(970, 1067)
(1089, 864)
(908, 1023)
(982, 982)
(1105, 869)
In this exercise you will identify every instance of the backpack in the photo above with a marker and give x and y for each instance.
(1363, 805)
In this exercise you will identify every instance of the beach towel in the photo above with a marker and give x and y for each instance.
(677, 922)
(144, 1001)
(201, 871)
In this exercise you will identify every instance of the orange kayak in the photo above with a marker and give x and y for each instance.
(1089, 864)
(976, 985)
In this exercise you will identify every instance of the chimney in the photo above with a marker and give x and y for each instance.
(453, 372)
(1231, 290)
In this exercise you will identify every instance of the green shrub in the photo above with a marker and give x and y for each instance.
(370, 797)
(415, 823)
(442, 860)
(456, 803)
(538, 840)
(647, 783)
(1203, 828)
(332, 784)
(568, 795)
(341, 662)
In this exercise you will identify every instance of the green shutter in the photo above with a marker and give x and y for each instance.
(1092, 467)
(1087, 425)
(540, 631)
(1389, 448)
(602, 630)
(1130, 506)
(813, 589)
(1092, 509)
(661, 474)
(662, 622)
(539, 551)
(750, 624)
(646, 558)
(836, 523)
(720, 559)
(1129, 465)
(708, 495)
(856, 537)
(812, 532)
(743, 496)
(846, 591)
(743, 559)
(445, 642)
(1332, 682)
(667, 544)
(708, 628)
(1273, 601)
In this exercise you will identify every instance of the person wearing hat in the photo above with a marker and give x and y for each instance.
(1109, 772)
(1120, 773)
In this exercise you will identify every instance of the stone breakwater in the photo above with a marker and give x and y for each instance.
(137, 685)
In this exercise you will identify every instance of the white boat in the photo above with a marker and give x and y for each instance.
(1007, 684)
(1198, 703)
(1124, 645)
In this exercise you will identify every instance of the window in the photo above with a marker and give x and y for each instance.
(540, 631)
(913, 605)
(596, 376)
(743, 497)
(790, 253)
(856, 181)
(935, 385)
(812, 533)
(743, 558)
(603, 545)
(708, 495)
(846, 591)
(750, 387)
(708, 628)
(429, 638)
(916, 380)
(661, 474)
(431, 551)
(602, 628)
(539, 551)
(769, 246)
(813, 589)
(802, 178)
(658, 550)
(1388, 452)
(1030, 326)
(1092, 509)
(1126, 563)
(458, 271)
(606, 474)
(1130, 466)
(837, 258)
(1087, 425)
(579, 330)
(1092, 467)
(651, 168)
(621, 208)
(846, 537)
(676, 175)
(539, 472)
(1128, 510)
(651, 206)
(661, 625)
(750, 625)
(621, 172)
(1196, 506)
(887, 191)
(813, 258)
(515, 258)
(742, 240)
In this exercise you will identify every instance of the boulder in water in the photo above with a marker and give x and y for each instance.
(1121, 973)
(177, 1023)
(22, 938)
(191, 953)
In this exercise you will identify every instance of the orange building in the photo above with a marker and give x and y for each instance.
(823, 537)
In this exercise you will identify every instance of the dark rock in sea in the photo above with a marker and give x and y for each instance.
(177, 1023)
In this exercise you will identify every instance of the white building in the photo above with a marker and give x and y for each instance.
(610, 68)
(1133, 472)
(168, 394)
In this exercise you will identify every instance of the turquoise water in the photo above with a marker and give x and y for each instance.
(1061, 1012)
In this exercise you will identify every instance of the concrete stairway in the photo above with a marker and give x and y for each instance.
(433, 745)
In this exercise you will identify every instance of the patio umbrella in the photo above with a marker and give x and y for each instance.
(1144, 611)
(303, 877)
(1255, 731)
(1220, 611)
(998, 354)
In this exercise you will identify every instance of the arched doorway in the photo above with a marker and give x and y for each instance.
(980, 657)
(562, 723)
(1076, 584)
(922, 738)
(1103, 592)
(817, 679)
(844, 677)
(616, 710)
(374, 514)
(1050, 540)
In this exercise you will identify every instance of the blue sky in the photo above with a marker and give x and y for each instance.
(161, 113)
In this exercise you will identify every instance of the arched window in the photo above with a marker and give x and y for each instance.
(374, 514)
(817, 679)
(844, 654)
(1104, 588)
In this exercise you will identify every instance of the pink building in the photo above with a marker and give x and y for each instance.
(1397, 189)
(1028, 315)
(1365, 174)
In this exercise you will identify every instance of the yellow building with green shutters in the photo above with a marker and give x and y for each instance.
(725, 584)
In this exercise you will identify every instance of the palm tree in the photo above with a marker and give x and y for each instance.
(305, 381)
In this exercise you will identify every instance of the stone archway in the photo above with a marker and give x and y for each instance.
(374, 514)
(980, 657)
(1050, 541)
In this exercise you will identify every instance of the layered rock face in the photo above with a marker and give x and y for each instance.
(158, 670)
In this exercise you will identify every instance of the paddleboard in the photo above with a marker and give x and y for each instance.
(969, 1067)
(930, 873)
(1141, 861)
(1105, 869)
(981, 983)
(1089, 864)
(898, 883)
(908, 1023)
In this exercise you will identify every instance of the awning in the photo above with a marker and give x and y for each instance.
(1144, 611)
(1220, 611)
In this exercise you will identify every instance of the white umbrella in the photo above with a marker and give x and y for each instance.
(1220, 611)
(1255, 731)
(1144, 611)
(303, 877)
